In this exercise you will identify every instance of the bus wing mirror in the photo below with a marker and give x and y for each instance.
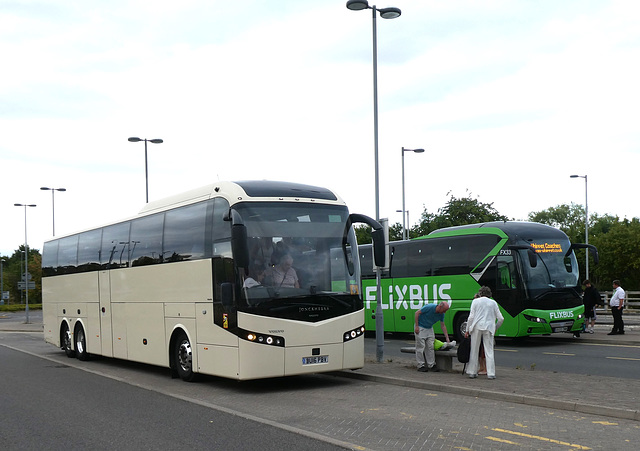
(239, 245)
(533, 257)
(377, 235)
(591, 247)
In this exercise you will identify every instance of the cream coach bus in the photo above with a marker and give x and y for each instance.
(242, 280)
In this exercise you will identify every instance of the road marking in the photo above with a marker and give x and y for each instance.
(557, 353)
(544, 439)
(604, 344)
(501, 440)
(623, 358)
(605, 423)
(506, 350)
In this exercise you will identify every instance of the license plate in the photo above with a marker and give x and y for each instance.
(560, 329)
(315, 359)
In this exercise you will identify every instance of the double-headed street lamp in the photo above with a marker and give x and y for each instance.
(53, 204)
(586, 221)
(385, 13)
(146, 169)
(405, 213)
(26, 259)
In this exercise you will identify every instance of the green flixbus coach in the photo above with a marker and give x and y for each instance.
(531, 269)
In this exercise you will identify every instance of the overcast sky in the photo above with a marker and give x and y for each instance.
(508, 97)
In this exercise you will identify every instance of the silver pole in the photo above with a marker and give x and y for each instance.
(404, 226)
(586, 225)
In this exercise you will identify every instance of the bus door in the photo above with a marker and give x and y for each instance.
(106, 335)
(508, 292)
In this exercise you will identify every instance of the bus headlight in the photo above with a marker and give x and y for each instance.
(535, 319)
(264, 339)
(353, 334)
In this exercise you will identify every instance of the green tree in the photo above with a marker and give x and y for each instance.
(619, 251)
(568, 218)
(14, 271)
(456, 212)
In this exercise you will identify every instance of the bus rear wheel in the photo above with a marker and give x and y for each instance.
(183, 357)
(81, 344)
(460, 325)
(66, 340)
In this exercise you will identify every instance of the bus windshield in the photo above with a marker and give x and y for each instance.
(554, 271)
(302, 256)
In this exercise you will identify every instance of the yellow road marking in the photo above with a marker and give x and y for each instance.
(501, 440)
(520, 425)
(537, 437)
(506, 350)
(558, 353)
(622, 358)
(606, 423)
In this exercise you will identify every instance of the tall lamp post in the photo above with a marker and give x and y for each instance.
(2, 260)
(146, 168)
(53, 204)
(586, 220)
(26, 259)
(385, 13)
(405, 212)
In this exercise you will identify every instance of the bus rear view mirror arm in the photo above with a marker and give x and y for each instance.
(533, 258)
(377, 235)
(591, 247)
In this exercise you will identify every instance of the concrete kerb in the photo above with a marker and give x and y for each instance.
(610, 412)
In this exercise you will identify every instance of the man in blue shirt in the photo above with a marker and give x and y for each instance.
(426, 317)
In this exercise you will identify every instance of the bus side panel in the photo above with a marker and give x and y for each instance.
(369, 297)
(119, 327)
(208, 332)
(146, 340)
(218, 360)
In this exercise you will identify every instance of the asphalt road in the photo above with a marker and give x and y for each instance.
(52, 402)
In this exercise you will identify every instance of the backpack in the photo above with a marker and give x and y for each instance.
(464, 350)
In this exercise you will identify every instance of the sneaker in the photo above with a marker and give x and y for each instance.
(472, 376)
(621, 332)
(491, 377)
(434, 369)
(612, 333)
(423, 369)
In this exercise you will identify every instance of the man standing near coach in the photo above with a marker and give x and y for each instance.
(616, 303)
(425, 318)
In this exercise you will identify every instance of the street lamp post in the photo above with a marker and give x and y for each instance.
(586, 221)
(404, 212)
(385, 13)
(146, 168)
(26, 259)
(2, 260)
(53, 204)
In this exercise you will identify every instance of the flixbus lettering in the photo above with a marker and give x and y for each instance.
(561, 315)
(409, 296)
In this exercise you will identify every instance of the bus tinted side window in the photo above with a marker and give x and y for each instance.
(184, 233)
(50, 258)
(145, 244)
(366, 262)
(115, 240)
(89, 250)
(68, 255)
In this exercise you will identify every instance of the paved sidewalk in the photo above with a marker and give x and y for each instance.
(573, 392)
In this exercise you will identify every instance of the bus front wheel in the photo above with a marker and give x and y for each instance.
(460, 325)
(66, 340)
(183, 357)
